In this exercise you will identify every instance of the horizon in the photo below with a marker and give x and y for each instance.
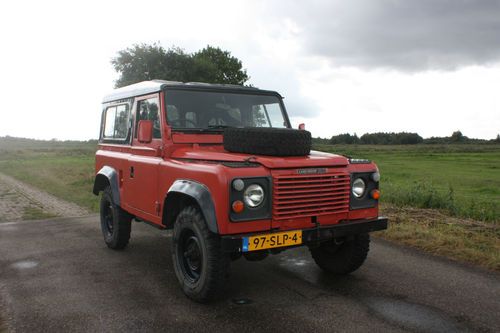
(313, 137)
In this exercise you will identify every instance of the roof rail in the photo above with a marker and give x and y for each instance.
(221, 85)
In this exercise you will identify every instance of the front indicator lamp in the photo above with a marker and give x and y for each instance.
(238, 206)
(375, 194)
(253, 195)
(358, 187)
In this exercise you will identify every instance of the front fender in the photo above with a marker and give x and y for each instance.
(201, 195)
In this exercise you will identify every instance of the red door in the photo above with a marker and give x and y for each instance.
(142, 172)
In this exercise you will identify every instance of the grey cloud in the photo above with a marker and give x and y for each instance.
(403, 35)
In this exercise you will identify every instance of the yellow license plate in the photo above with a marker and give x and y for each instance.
(269, 241)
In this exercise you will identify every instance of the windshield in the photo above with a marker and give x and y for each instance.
(205, 110)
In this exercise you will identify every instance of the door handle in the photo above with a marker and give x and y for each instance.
(131, 172)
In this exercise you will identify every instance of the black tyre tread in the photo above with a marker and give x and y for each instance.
(348, 257)
(267, 141)
(122, 223)
(218, 262)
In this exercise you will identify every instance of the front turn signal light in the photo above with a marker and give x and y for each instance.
(375, 194)
(238, 206)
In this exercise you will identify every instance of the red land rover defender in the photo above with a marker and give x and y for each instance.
(221, 166)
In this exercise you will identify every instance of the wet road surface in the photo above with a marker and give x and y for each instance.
(57, 275)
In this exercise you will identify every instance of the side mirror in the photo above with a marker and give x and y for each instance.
(302, 126)
(145, 131)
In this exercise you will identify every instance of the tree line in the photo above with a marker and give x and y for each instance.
(401, 138)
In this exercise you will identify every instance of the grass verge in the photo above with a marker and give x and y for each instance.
(35, 213)
(438, 233)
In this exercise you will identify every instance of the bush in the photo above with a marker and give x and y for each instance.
(402, 138)
(320, 141)
(344, 139)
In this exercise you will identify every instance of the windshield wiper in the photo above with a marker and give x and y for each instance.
(219, 126)
(208, 129)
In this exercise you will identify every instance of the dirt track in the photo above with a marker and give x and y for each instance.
(17, 200)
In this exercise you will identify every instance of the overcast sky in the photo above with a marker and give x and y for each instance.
(425, 66)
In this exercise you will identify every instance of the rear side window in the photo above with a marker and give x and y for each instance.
(116, 122)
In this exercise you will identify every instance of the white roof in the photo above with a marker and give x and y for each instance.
(137, 89)
(149, 87)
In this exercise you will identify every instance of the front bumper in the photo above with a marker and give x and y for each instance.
(311, 236)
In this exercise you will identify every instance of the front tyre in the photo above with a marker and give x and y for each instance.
(342, 258)
(115, 222)
(199, 262)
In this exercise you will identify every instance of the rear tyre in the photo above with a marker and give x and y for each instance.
(115, 222)
(343, 258)
(199, 262)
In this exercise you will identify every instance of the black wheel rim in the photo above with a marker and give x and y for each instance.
(190, 256)
(108, 218)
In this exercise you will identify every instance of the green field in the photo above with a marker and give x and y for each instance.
(461, 183)
(463, 180)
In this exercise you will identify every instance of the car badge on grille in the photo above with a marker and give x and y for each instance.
(311, 171)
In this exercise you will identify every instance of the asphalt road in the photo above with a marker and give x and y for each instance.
(57, 275)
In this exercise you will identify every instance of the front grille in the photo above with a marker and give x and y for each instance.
(310, 195)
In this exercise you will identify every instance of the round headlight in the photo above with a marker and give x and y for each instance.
(358, 187)
(253, 195)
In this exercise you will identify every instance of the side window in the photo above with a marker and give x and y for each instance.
(149, 109)
(109, 122)
(116, 122)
